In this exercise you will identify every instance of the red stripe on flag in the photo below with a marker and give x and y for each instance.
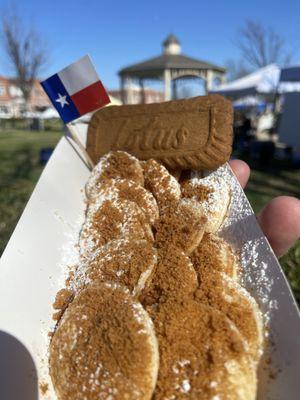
(90, 98)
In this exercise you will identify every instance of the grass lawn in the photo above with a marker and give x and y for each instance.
(20, 169)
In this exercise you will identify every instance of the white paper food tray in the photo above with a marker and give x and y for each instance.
(31, 272)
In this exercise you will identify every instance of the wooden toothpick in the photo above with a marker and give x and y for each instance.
(74, 137)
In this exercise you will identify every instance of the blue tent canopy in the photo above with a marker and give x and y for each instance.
(290, 74)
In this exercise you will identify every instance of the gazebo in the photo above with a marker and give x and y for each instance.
(169, 67)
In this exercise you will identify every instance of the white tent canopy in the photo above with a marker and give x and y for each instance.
(263, 81)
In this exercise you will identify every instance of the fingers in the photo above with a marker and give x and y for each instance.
(241, 170)
(280, 222)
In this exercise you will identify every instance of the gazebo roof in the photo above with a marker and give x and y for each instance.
(155, 67)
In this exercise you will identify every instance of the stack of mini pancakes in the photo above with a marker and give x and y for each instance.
(155, 309)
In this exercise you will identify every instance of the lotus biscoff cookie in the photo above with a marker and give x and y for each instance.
(183, 134)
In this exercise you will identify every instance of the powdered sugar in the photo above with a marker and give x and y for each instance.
(217, 200)
(95, 174)
(185, 386)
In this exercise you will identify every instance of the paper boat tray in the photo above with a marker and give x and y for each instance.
(31, 272)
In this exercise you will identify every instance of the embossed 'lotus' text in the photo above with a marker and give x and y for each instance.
(153, 136)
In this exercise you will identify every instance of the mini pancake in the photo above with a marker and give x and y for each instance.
(213, 194)
(115, 164)
(181, 225)
(123, 189)
(160, 183)
(111, 221)
(227, 296)
(214, 264)
(202, 354)
(174, 277)
(215, 254)
(104, 347)
(129, 263)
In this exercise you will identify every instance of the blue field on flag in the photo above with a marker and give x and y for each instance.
(60, 98)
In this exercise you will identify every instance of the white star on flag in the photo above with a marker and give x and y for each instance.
(62, 100)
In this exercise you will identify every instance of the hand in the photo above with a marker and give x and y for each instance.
(279, 219)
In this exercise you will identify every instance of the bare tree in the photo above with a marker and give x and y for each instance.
(260, 46)
(236, 69)
(25, 50)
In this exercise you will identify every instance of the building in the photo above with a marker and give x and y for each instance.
(169, 67)
(5, 98)
(12, 103)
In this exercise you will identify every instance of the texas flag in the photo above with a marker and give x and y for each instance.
(76, 90)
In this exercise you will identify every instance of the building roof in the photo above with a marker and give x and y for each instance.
(155, 66)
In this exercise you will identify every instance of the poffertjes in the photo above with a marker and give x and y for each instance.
(124, 189)
(104, 347)
(129, 263)
(161, 183)
(114, 165)
(150, 251)
(202, 354)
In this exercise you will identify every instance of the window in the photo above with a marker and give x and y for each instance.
(2, 90)
(3, 110)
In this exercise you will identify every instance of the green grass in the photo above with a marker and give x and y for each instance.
(264, 185)
(290, 263)
(20, 170)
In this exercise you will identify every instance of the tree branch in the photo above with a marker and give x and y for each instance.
(24, 49)
(260, 46)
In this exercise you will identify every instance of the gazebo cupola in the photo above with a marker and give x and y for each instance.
(171, 45)
(170, 67)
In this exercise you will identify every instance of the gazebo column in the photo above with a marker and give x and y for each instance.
(129, 89)
(174, 84)
(122, 89)
(209, 80)
(167, 81)
(142, 88)
(222, 78)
